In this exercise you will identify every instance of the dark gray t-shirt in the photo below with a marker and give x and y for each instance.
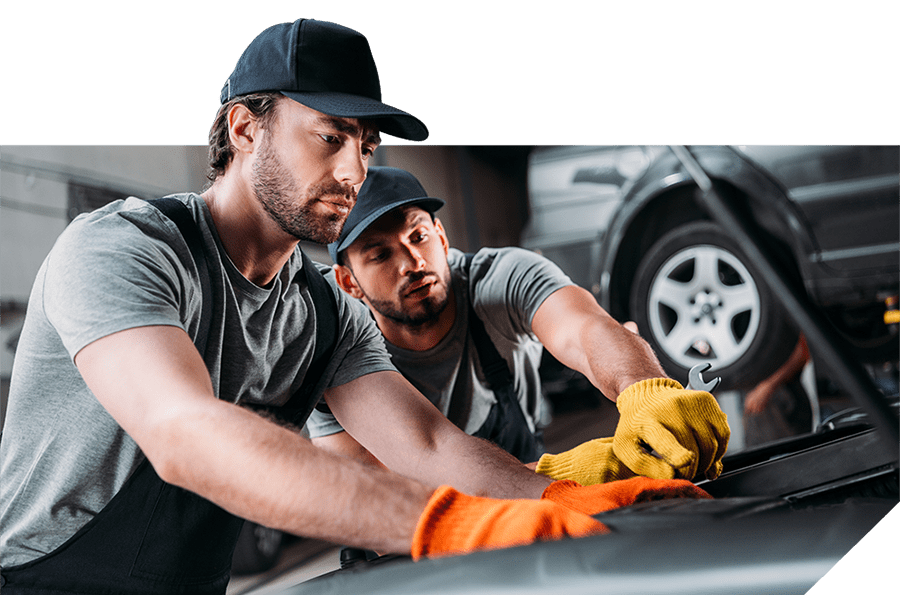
(506, 288)
(62, 456)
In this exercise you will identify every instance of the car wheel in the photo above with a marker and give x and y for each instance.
(257, 549)
(697, 299)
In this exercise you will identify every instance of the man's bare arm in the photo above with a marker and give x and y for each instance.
(343, 444)
(155, 385)
(399, 426)
(583, 336)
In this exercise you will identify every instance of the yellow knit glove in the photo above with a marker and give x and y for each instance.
(589, 463)
(686, 428)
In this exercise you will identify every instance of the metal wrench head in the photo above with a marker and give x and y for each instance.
(695, 379)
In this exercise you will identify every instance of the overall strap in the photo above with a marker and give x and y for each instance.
(180, 214)
(506, 425)
(495, 369)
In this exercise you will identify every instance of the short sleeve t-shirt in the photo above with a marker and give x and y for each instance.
(506, 286)
(62, 456)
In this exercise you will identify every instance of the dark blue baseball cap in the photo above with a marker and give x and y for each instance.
(321, 65)
(385, 189)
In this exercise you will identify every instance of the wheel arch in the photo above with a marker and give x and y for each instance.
(667, 197)
(672, 206)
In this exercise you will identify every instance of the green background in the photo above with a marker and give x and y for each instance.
(486, 73)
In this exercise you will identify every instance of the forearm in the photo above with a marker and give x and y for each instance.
(154, 384)
(478, 467)
(614, 358)
(473, 466)
(583, 336)
(344, 445)
(793, 366)
(275, 477)
(388, 417)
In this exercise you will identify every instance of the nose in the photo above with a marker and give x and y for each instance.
(413, 260)
(351, 167)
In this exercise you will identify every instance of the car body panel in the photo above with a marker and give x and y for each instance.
(849, 198)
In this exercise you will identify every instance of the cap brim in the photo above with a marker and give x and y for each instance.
(428, 203)
(390, 120)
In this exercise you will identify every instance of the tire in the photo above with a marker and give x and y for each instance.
(257, 549)
(697, 299)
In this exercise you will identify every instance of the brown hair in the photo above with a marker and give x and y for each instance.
(261, 105)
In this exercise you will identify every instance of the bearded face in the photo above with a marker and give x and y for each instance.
(421, 299)
(316, 213)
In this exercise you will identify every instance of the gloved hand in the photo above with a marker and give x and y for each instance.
(687, 428)
(456, 523)
(588, 463)
(598, 498)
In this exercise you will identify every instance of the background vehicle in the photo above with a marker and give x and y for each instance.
(626, 223)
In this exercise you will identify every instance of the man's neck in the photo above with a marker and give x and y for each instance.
(254, 243)
(420, 337)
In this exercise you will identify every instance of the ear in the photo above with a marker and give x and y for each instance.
(346, 281)
(243, 128)
(442, 234)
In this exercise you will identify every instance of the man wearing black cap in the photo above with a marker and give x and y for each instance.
(467, 330)
(162, 337)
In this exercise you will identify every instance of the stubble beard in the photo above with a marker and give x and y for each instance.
(428, 311)
(292, 210)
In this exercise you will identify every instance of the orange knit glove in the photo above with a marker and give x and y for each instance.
(455, 523)
(594, 499)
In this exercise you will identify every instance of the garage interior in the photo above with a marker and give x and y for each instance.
(487, 194)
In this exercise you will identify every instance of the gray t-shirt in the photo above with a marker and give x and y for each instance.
(506, 288)
(62, 456)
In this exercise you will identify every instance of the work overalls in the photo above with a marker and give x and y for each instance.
(153, 537)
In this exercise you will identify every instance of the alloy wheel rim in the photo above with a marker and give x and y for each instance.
(704, 306)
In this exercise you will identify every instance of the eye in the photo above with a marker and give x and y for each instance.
(368, 151)
(379, 256)
(329, 138)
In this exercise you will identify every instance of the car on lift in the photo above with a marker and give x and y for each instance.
(626, 222)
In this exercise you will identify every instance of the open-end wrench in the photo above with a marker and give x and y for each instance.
(695, 379)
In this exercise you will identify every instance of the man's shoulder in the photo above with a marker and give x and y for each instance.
(131, 215)
(487, 255)
(513, 278)
(125, 238)
(493, 261)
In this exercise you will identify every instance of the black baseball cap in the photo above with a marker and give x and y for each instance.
(324, 66)
(385, 189)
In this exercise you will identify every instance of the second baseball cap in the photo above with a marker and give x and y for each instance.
(385, 189)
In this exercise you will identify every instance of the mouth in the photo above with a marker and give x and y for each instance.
(341, 207)
(419, 288)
